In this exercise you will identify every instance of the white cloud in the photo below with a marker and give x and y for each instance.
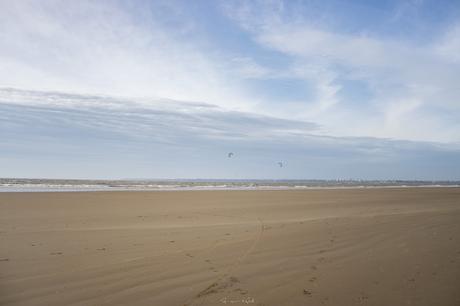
(97, 47)
(410, 82)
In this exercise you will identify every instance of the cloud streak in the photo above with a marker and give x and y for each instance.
(104, 136)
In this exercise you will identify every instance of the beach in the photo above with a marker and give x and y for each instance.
(357, 246)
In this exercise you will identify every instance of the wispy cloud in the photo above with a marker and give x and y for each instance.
(449, 45)
(408, 80)
(99, 47)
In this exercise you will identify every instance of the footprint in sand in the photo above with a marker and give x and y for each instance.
(313, 279)
(233, 279)
(101, 249)
(363, 298)
(307, 292)
(56, 253)
(218, 286)
(241, 291)
(4, 259)
(189, 255)
(172, 241)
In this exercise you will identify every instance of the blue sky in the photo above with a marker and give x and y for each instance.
(165, 89)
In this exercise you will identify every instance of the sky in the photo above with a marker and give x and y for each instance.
(165, 89)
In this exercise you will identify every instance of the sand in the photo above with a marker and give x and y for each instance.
(316, 247)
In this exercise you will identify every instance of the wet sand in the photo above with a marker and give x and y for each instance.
(315, 247)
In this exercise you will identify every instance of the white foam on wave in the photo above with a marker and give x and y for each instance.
(182, 186)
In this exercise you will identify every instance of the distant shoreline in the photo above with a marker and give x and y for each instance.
(178, 189)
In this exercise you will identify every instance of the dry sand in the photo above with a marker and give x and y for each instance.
(317, 247)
